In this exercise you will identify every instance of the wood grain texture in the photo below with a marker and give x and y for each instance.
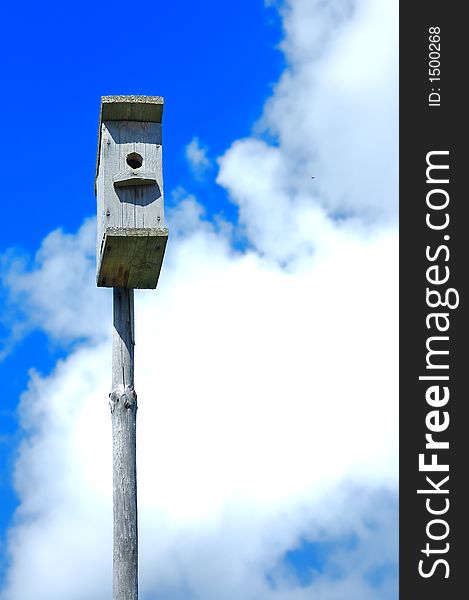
(128, 108)
(123, 403)
(136, 206)
(132, 108)
(131, 258)
(129, 207)
(134, 178)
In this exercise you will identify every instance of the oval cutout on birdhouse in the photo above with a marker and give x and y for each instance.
(134, 160)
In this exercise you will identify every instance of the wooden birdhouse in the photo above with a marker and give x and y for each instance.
(131, 236)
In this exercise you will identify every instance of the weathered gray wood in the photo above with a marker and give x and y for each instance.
(148, 109)
(123, 402)
(140, 250)
(132, 108)
(124, 204)
(134, 178)
(131, 241)
(133, 206)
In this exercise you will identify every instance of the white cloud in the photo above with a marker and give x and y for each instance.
(259, 394)
(57, 292)
(334, 111)
(196, 155)
(267, 378)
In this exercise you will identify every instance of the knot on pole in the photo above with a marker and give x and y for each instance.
(127, 396)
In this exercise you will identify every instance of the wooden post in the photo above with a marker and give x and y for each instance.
(130, 245)
(123, 401)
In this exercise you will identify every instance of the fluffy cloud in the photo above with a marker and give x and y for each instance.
(261, 395)
(267, 378)
(196, 155)
(57, 292)
(334, 114)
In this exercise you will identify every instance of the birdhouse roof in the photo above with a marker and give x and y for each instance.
(132, 108)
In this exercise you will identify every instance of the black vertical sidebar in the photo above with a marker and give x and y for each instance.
(434, 269)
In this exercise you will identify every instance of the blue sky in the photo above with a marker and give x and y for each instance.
(278, 453)
(214, 67)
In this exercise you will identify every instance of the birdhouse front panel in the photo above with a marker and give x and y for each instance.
(129, 187)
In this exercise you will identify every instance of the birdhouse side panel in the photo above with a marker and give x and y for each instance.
(133, 175)
(130, 202)
(103, 211)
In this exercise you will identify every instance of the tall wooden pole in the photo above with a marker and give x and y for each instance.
(123, 402)
(130, 245)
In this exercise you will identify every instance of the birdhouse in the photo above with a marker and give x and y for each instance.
(131, 236)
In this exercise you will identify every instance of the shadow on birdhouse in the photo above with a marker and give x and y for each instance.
(131, 236)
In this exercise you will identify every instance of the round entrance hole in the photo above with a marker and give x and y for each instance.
(134, 160)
